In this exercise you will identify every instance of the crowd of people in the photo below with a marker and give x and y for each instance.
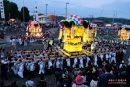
(13, 26)
(106, 67)
(98, 70)
(106, 32)
(21, 40)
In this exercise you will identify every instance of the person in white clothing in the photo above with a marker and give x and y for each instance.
(110, 57)
(41, 67)
(20, 41)
(32, 66)
(81, 62)
(124, 51)
(58, 64)
(101, 56)
(113, 59)
(129, 61)
(49, 64)
(87, 59)
(68, 62)
(15, 68)
(13, 42)
(75, 62)
(21, 69)
(95, 60)
(107, 57)
(93, 83)
(122, 65)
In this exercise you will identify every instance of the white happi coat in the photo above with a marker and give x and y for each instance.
(101, 56)
(110, 57)
(15, 68)
(49, 64)
(107, 57)
(124, 51)
(20, 41)
(95, 60)
(27, 64)
(21, 69)
(13, 42)
(42, 67)
(75, 61)
(121, 65)
(113, 55)
(129, 61)
(58, 63)
(81, 62)
(93, 83)
(68, 62)
(32, 66)
(87, 59)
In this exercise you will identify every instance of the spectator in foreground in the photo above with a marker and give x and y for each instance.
(104, 78)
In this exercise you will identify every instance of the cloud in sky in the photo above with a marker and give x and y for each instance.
(83, 8)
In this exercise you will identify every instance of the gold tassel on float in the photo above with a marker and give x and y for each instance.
(60, 34)
(72, 32)
(95, 32)
(64, 35)
(84, 36)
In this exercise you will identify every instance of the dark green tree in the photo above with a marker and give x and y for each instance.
(13, 10)
(6, 8)
(25, 16)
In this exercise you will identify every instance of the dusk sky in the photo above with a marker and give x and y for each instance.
(82, 8)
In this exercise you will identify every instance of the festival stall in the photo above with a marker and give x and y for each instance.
(34, 29)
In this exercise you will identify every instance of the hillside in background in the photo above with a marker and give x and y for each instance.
(111, 20)
(104, 19)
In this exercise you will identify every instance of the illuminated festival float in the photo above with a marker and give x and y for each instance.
(34, 29)
(124, 34)
(74, 33)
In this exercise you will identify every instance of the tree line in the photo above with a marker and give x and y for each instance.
(11, 11)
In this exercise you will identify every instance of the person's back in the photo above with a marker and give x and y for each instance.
(103, 80)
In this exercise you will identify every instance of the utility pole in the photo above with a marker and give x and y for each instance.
(67, 9)
(23, 12)
(36, 11)
(114, 15)
(2, 13)
(46, 9)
